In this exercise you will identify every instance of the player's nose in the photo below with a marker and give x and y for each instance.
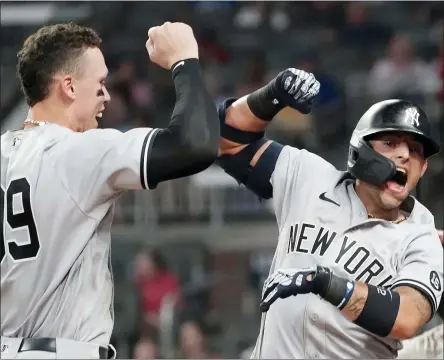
(402, 151)
(107, 95)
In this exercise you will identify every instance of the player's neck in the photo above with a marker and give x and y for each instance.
(46, 112)
(373, 210)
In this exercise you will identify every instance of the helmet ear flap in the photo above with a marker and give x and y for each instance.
(369, 166)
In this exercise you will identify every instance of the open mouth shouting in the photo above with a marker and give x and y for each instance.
(397, 186)
(99, 114)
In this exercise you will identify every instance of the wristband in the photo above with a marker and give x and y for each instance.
(263, 103)
(348, 293)
(185, 66)
(334, 289)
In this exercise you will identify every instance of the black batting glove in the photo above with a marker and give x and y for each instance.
(314, 279)
(296, 89)
(292, 87)
(286, 282)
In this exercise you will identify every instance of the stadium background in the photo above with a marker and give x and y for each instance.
(215, 239)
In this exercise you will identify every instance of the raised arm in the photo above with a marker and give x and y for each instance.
(190, 142)
(245, 153)
(112, 162)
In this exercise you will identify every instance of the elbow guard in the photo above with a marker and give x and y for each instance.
(230, 133)
(255, 178)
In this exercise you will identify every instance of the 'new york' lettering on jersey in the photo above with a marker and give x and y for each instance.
(322, 221)
(58, 192)
(357, 261)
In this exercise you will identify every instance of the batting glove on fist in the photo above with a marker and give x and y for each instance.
(314, 279)
(296, 89)
(287, 282)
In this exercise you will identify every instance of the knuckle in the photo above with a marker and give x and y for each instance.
(153, 32)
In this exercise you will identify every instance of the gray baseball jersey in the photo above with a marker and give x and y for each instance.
(322, 221)
(58, 191)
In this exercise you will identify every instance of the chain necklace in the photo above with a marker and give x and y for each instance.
(33, 122)
(397, 221)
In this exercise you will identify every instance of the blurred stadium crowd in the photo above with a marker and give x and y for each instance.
(187, 284)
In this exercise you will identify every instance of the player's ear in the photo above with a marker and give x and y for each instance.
(424, 167)
(67, 87)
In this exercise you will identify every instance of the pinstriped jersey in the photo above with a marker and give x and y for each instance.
(58, 194)
(322, 221)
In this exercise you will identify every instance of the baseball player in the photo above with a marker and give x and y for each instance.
(358, 265)
(60, 177)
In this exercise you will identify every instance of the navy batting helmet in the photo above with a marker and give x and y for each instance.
(386, 116)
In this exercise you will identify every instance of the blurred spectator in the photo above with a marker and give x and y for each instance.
(279, 16)
(327, 13)
(122, 79)
(211, 49)
(251, 16)
(192, 342)
(136, 92)
(439, 63)
(145, 349)
(330, 92)
(154, 281)
(359, 29)
(402, 74)
(246, 353)
(204, 7)
(328, 112)
(255, 74)
(116, 115)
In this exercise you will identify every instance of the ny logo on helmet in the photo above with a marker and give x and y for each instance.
(413, 116)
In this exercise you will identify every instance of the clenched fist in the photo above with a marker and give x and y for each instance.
(170, 43)
(296, 88)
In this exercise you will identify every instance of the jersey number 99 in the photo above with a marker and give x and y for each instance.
(18, 220)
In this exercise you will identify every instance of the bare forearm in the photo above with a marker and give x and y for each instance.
(246, 119)
(357, 301)
(414, 312)
(240, 116)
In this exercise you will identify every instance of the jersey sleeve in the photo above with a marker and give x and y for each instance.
(421, 267)
(99, 164)
(296, 173)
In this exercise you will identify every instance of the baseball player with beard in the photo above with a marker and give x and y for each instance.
(358, 265)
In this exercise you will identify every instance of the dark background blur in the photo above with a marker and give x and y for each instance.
(189, 258)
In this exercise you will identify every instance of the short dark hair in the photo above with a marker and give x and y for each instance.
(51, 49)
(159, 260)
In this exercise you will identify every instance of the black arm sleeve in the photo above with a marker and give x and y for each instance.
(190, 143)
